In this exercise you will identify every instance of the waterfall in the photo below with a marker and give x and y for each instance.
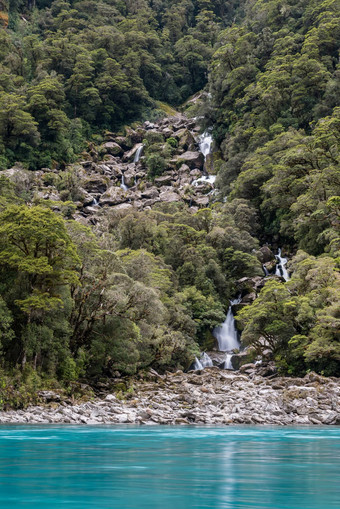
(123, 186)
(227, 362)
(138, 154)
(205, 143)
(205, 361)
(197, 364)
(95, 202)
(281, 267)
(207, 178)
(265, 270)
(226, 334)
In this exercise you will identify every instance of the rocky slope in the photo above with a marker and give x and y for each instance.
(114, 175)
(206, 397)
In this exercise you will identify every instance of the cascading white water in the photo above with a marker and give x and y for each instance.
(205, 142)
(197, 365)
(265, 270)
(95, 202)
(138, 154)
(123, 185)
(226, 334)
(281, 266)
(207, 178)
(205, 361)
(227, 362)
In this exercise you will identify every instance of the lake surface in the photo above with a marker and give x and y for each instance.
(169, 467)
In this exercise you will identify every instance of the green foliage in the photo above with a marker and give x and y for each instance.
(146, 288)
(298, 321)
(90, 66)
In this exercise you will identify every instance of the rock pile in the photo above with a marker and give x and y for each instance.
(207, 397)
(112, 176)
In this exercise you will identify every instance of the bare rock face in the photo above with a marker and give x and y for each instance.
(114, 196)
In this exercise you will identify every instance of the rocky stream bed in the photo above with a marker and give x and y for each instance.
(211, 396)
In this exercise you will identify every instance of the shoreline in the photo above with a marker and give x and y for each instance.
(208, 397)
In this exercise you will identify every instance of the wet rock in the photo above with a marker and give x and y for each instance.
(129, 156)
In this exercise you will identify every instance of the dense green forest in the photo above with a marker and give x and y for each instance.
(145, 288)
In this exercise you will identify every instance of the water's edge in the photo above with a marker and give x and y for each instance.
(209, 397)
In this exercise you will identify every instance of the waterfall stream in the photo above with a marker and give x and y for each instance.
(281, 266)
(227, 362)
(205, 361)
(197, 365)
(138, 154)
(265, 270)
(205, 143)
(226, 334)
(123, 185)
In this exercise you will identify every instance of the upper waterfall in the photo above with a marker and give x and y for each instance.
(205, 143)
(281, 266)
(138, 154)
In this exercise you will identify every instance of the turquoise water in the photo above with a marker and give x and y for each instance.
(169, 467)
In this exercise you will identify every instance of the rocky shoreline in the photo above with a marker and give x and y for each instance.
(208, 397)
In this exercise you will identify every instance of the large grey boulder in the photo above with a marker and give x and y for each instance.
(111, 147)
(114, 196)
(191, 159)
(169, 196)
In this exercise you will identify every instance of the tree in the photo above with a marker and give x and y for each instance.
(37, 249)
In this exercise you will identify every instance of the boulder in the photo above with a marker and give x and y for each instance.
(111, 147)
(150, 193)
(20, 177)
(114, 196)
(201, 201)
(165, 180)
(184, 170)
(167, 132)
(129, 177)
(95, 184)
(264, 254)
(169, 196)
(186, 140)
(122, 142)
(191, 159)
